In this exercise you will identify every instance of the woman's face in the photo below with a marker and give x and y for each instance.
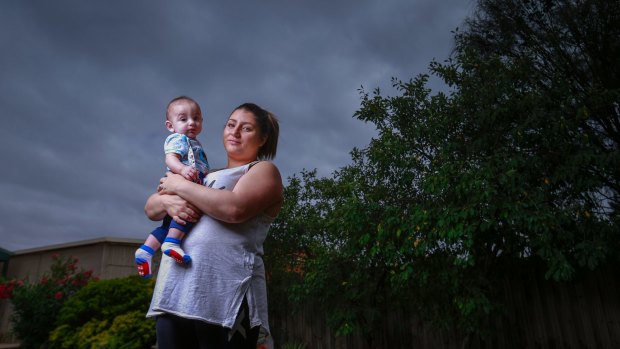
(242, 138)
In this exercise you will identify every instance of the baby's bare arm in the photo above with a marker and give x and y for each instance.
(173, 161)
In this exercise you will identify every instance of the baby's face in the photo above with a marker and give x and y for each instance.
(185, 118)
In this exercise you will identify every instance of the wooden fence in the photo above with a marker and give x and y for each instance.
(583, 313)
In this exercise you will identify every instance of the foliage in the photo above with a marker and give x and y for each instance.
(566, 122)
(516, 162)
(36, 305)
(7, 287)
(107, 314)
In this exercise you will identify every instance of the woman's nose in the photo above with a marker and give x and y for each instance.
(235, 131)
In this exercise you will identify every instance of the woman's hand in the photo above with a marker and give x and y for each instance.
(157, 206)
(170, 183)
(180, 210)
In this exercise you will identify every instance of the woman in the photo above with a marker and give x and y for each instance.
(220, 299)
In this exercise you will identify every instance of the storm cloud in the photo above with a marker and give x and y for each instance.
(84, 86)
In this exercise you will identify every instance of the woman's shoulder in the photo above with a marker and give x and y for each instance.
(264, 167)
(264, 173)
(263, 179)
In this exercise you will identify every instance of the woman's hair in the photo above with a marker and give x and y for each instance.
(268, 127)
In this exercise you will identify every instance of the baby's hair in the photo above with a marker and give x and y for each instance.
(181, 98)
(268, 127)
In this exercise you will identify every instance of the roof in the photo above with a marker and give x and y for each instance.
(76, 243)
(5, 254)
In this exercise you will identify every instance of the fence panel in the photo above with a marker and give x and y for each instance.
(584, 313)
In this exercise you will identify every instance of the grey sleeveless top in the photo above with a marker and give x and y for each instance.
(226, 266)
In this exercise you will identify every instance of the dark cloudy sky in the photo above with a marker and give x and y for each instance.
(84, 85)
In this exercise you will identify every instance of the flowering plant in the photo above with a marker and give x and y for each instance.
(37, 304)
(7, 287)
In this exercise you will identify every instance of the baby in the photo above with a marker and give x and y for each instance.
(184, 156)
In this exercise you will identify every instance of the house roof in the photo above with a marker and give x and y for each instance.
(4, 254)
(75, 244)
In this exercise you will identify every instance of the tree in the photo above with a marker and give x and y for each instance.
(559, 116)
(571, 47)
(516, 163)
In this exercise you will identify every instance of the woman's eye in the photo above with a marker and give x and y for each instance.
(247, 129)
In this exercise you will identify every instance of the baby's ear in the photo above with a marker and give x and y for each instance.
(169, 126)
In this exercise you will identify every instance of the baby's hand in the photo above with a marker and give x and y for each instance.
(189, 173)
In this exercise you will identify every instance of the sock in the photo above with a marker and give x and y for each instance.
(172, 248)
(144, 255)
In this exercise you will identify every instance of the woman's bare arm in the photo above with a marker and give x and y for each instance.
(258, 191)
(157, 206)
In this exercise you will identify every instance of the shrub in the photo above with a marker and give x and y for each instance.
(36, 305)
(107, 314)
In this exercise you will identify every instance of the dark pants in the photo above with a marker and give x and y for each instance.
(174, 332)
(161, 232)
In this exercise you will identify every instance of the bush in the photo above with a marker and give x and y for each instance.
(36, 305)
(107, 314)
